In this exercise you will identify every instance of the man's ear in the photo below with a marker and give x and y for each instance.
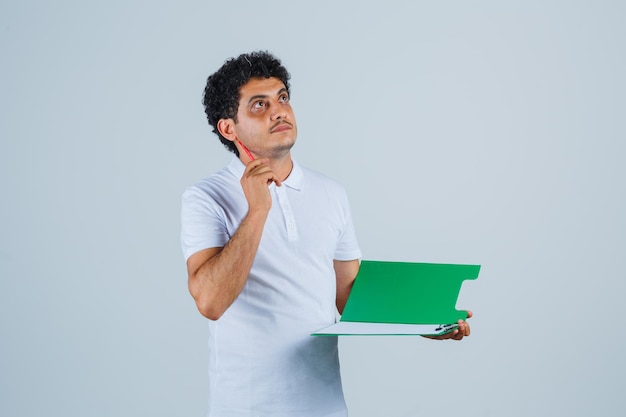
(226, 127)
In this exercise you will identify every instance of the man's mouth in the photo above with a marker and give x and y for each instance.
(281, 127)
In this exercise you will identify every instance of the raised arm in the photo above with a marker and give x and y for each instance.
(216, 276)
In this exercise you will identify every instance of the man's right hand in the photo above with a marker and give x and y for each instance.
(255, 182)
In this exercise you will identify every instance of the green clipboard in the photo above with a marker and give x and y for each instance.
(403, 298)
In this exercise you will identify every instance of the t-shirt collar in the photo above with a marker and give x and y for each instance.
(295, 179)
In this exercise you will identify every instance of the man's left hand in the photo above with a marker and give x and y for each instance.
(463, 330)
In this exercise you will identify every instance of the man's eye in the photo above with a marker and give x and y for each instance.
(284, 99)
(259, 105)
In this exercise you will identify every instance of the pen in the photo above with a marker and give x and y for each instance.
(246, 150)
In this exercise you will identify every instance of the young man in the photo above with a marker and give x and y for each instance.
(271, 254)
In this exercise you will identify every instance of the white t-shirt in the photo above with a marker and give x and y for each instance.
(262, 360)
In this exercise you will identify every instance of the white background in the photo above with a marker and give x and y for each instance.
(487, 132)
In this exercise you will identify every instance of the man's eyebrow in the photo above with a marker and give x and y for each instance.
(264, 96)
(258, 96)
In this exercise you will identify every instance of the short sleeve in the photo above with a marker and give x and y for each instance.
(202, 222)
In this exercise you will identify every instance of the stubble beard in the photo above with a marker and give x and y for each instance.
(281, 151)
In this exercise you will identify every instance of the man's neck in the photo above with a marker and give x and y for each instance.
(282, 166)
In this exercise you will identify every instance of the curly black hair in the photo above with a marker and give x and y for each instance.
(221, 94)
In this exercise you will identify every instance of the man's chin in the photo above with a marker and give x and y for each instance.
(282, 150)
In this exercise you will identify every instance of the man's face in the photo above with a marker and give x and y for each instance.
(265, 121)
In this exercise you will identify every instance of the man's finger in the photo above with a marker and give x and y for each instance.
(259, 168)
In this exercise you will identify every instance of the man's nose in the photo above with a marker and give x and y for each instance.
(278, 113)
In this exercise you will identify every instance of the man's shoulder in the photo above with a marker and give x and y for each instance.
(217, 183)
(318, 178)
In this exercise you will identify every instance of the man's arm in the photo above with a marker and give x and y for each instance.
(217, 275)
(345, 271)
